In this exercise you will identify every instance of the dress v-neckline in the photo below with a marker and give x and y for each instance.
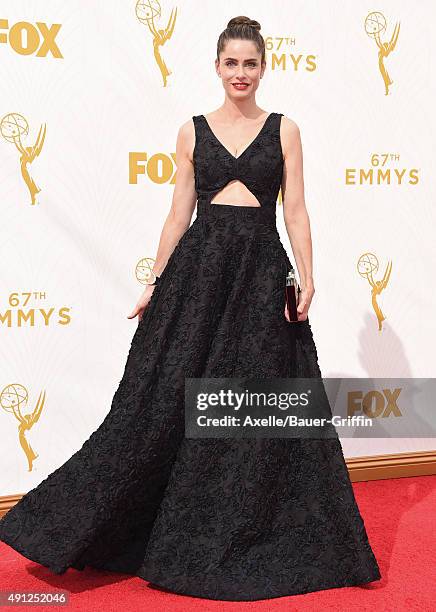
(248, 147)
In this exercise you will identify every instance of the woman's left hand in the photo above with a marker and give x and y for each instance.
(304, 300)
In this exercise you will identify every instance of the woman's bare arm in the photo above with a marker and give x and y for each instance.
(184, 198)
(179, 217)
(294, 210)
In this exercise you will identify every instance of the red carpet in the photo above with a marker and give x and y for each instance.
(400, 520)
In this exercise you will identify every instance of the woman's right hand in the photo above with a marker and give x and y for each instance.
(142, 303)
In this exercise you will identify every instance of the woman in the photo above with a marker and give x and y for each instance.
(221, 518)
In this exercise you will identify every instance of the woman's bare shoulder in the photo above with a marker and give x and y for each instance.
(289, 126)
(289, 136)
(186, 139)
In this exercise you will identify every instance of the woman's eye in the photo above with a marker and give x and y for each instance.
(249, 64)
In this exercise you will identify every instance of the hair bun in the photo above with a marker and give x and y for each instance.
(242, 20)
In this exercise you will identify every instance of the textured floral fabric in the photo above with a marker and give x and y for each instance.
(231, 519)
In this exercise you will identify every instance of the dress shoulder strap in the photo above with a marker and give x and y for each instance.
(278, 117)
(197, 126)
(276, 132)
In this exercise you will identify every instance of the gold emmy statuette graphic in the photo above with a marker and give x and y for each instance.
(13, 127)
(12, 399)
(375, 25)
(144, 272)
(149, 12)
(367, 266)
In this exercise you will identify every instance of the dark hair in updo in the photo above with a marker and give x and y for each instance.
(243, 28)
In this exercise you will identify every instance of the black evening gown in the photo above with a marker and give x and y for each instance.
(224, 518)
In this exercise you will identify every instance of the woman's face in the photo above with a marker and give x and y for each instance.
(240, 63)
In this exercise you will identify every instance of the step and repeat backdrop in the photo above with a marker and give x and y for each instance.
(92, 95)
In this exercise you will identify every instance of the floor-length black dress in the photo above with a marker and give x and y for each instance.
(224, 518)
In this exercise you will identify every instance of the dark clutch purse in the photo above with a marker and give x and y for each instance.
(292, 290)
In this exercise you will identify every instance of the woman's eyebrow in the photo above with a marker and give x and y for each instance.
(253, 59)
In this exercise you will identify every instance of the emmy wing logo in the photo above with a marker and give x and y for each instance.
(375, 27)
(13, 127)
(149, 13)
(13, 399)
(367, 266)
(144, 272)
